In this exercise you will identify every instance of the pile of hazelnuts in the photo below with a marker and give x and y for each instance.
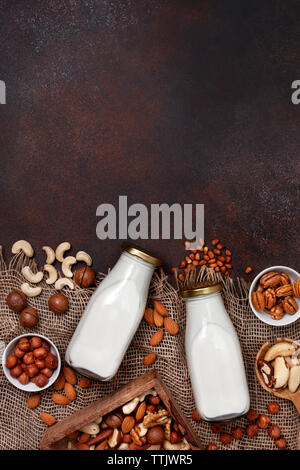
(58, 303)
(32, 361)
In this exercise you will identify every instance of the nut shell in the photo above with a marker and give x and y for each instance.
(85, 277)
(58, 303)
(29, 317)
(16, 300)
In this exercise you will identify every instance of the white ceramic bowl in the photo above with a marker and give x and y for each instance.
(265, 317)
(30, 387)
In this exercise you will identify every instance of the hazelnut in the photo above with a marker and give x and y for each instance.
(154, 400)
(28, 358)
(252, 415)
(58, 303)
(281, 443)
(50, 360)
(237, 433)
(127, 438)
(47, 372)
(40, 380)
(32, 370)
(196, 416)
(211, 447)
(29, 317)
(16, 300)
(113, 420)
(252, 430)
(40, 363)
(274, 431)
(263, 421)
(85, 276)
(11, 361)
(23, 378)
(217, 428)
(273, 408)
(35, 342)
(23, 344)
(225, 438)
(18, 352)
(175, 437)
(151, 408)
(156, 435)
(40, 353)
(16, 371)
(46, 345)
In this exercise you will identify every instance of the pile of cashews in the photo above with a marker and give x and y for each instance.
(51, 255)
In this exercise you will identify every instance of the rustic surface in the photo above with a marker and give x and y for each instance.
(161, 100)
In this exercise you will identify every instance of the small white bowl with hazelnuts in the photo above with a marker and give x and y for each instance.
(31, 362)
(274, 295)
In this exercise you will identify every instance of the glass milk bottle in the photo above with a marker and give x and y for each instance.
(112, 315)
(214, 355)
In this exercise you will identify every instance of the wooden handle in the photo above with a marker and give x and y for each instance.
(296, 400)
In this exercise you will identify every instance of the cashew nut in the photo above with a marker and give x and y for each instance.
(22, 245)
(83, 256)
(67, 262)
(60, 250)
(63, 282)
(123, 446)
(30, 291)
(294, 379)
(149, 392)
(281, 372)
(35, 278)
(91, 428)
(50, 254)
(130, 406)
(280, 349)
(52, 273)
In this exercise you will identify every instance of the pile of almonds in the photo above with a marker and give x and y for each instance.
(218, 257)
(65, 382)
(158, 317)
(141, 424)
(256, 422)
(276, 294)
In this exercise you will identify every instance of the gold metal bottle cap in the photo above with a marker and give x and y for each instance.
(141, 253)
(203, 288)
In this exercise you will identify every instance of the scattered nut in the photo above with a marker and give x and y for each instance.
(85, 257)
(29, 317)
(85, 277)
(51, 270)
(22, 245)
(34, 278)
(273, 408)
(30, 291)
(58, 303)
(61, 249)
(16, 300)
(274, 431)
(263, 421)
(66, 265)
(50, 254)
(64, 282)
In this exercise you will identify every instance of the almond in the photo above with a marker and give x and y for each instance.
(156, 337)
(33, 401)
(59, 382)
(84, 437)
(47, 419)
(171, 326)
(70, 391)
(149, 316)
(149, 359)
(158, 319)
(127, 424)
(81, 446)
(70, 375)
(102, 445)
(160, 308)
(84, 382)
(60, 399)
(140, 412)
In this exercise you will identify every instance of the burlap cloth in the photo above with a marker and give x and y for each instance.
(21, 428)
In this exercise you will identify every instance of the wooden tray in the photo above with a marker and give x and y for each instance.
(54, 437)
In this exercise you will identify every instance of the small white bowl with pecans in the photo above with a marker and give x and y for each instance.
(274, 295)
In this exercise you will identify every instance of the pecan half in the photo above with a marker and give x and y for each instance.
(258, 300)
(270, 279)
(289, 305)
(270, 298)
(284, 291)
(276, 312)
(296, 288)
(284, 279)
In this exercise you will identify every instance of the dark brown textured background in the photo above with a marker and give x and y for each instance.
(163, 101)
